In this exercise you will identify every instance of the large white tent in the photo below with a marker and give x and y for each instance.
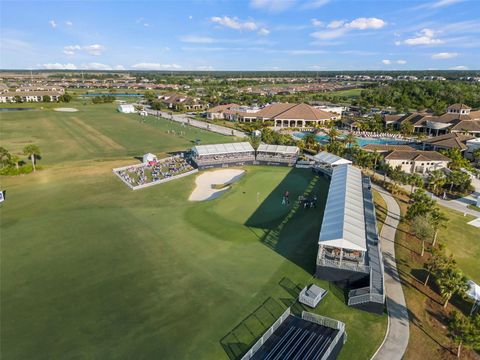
(278, 149)
(344, 220)
(220, 149)
(329, 159)
(474, 293)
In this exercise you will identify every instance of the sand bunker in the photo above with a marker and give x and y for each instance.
(66, 109)
(207, 181)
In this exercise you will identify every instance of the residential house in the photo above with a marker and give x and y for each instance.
(417, 161)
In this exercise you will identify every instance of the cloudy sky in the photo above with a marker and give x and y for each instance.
(240, 35)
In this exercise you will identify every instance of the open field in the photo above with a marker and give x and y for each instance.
(96, 132)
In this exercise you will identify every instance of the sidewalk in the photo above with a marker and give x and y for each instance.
(398, 332)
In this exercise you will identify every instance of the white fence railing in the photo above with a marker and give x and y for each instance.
(116, 171)
(344, 265)
(266, 335)
(327, 322)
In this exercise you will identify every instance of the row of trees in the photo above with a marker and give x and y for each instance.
(406, 95)
(12, 164)
(103, 99)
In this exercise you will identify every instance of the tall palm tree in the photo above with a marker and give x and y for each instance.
(32, 151)
(436, 180)
(438, 220)
(415, 180)
(5, 156)
(350, 139)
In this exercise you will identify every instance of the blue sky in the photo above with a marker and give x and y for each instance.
(240, 35)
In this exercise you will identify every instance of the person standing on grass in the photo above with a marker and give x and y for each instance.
(286, 196)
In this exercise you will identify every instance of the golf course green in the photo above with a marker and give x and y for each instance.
(93, 270)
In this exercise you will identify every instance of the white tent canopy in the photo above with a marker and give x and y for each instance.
(149, 157)
(278, 149)
(473, 293)
(330, 159)
(220, 149)
(344, 220)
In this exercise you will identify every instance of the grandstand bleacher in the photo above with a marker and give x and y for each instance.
(277, 155)
(223, 155)
(299, 339)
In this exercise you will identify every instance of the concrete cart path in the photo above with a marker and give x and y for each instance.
(396, 339)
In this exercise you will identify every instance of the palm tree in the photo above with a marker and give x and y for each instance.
(5, 156)
(454, 178)
(450, 281)
(415, 180)
(32, 151)
(350, 139)
(436, 261)
(436, 180)
(476, 155)
(15, 159)
(438, 220)
(464, 330)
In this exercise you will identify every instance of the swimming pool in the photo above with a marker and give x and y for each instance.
(360, 141)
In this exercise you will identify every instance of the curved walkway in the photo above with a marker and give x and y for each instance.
(396, 339)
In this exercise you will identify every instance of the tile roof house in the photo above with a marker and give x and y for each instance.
(178, 101)
(289, 115)
(458, 118)
(448, 141)
(417, 160)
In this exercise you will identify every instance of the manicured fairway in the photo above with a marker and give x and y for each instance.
(96, 132)
(93, 270)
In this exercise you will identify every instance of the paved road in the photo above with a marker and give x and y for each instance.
(396, 339)
(182, 118)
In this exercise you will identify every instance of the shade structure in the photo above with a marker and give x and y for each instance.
(330, 159)
(278, 149)
(344, 220)
(219, 149)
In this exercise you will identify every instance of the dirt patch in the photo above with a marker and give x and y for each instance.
(208, 184)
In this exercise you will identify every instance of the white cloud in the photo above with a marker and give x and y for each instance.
(272, 5)
(329, 34)
(263, 32)
(58, 66)
(190, 17)
(94, 49)
(389, 62)
(335, 24)
(366, 23)
(68, 23)
(155, 66)
(52, 23)
(443, 3)
(234, 23)
(315, 4)
(194, 39)
(88, 66)
(205, 68)
(339, 28)
(316, 22)
(444, 55)
(424, 37)
(459, 67)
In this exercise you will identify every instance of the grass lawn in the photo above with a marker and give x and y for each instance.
(96, 132)
(91, 269)
(353, 93)
(428, 318)
(463, 241)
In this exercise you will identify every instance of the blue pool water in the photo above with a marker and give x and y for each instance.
(360, 141)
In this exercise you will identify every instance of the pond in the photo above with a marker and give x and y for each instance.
(15, 109)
